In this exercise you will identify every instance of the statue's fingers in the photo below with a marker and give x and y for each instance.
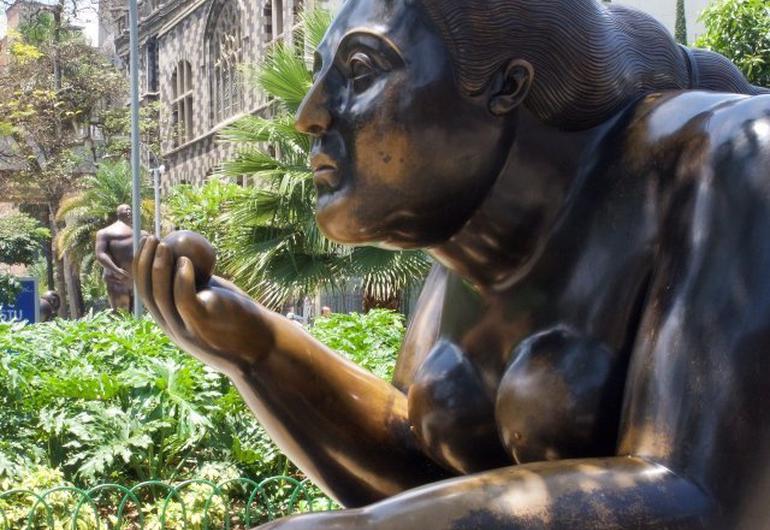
(188, 303)
(143, 276)
(137, 256)
(163, 288)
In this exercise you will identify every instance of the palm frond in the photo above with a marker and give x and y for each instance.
(315, 23)
(273, 247)
(284, 75)
(94, 205)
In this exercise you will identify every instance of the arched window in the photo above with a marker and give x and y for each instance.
(181, 103)
(297, 11)
(225, 54)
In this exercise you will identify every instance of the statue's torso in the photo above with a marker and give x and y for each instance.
(119, 237)
(605, 291)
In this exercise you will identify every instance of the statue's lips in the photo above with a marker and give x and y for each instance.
(327, 179)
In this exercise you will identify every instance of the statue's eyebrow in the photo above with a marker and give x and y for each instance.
(372, 40)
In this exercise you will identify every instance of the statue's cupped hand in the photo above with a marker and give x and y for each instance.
(204, 315)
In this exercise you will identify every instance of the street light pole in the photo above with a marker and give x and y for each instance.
(156, 174)
(133, 29)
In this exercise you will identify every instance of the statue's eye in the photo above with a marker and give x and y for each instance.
(362, 70)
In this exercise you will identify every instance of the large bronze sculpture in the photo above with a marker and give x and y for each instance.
(592, 349)
(114, 251)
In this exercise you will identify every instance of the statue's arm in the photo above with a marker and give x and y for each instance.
(102, 255)
(347, 429)
(593, 494)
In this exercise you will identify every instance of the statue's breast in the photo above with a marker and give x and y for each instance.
(453, 415)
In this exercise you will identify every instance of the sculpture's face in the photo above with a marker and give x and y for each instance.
(400, 157)
(124, 213)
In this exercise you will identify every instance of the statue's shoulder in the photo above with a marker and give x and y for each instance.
(669, 115)
(701, 131)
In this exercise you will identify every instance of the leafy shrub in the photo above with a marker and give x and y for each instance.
(371, 340)
(111, 399)
(10, 287)
(57, 508)
(21, 239)
(740, 30)
(21, 242)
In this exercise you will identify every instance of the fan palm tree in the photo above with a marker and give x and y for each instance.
(275, 248)
(93, 207)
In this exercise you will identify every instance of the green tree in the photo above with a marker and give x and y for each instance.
(21, 239)
(680, 30)
(21, 243)
(52, 95)
(740, 30)
(275, 249)
(199, 208)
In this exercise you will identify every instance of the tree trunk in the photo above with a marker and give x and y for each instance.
(60, 284)
(49, 268)
(74, 288)
(58, 280)
(680, 29)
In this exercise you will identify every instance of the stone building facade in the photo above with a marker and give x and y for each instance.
(190, 52)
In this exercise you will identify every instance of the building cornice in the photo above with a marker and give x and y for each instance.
(179, 17)
(221, 125)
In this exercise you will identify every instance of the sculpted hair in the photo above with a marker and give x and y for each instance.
(590, 59)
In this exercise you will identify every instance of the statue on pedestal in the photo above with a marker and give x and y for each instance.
(114, 252)
(592, 348)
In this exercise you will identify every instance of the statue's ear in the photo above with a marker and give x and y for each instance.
(511, 86)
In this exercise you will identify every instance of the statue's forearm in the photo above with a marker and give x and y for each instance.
(106, 261)
(346, 428)
(594, 494)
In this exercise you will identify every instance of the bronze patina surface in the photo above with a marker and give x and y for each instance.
(50, 302)
(592, 348)
(114, 251)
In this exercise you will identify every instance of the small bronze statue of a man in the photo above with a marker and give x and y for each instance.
(114, 252)
(50, 302)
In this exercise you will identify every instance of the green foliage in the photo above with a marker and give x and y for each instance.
(273, 247)
(116, 127)
(38, 29)
(371, 340)
(21, 239)
(108, 398)
(680, 29)
(740, 30)
(55, 87)
(17, 508)
(199, 208)
(10, 287)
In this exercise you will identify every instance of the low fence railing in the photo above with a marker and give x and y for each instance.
(234, 504)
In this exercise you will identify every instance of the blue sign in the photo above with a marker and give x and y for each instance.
(27, 304)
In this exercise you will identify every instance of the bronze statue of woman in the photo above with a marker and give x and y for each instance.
(592, 349)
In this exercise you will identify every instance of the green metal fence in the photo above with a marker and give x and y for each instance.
(234, 504)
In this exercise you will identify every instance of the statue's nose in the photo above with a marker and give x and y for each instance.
(313, 117)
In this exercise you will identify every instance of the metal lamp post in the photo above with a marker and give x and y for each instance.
(133, 32)
(157, 173)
